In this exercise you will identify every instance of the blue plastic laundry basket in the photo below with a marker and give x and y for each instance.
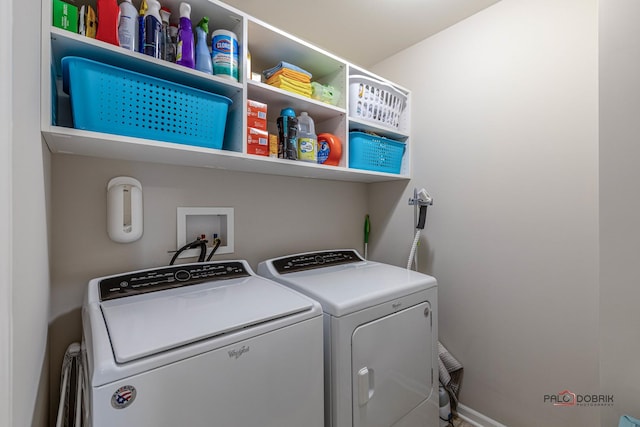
(375, 153)
(117, 101)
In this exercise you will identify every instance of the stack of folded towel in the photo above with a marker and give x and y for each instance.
(290, 78)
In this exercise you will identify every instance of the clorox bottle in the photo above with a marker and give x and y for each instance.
(224, 54)
(445, 407)
(307, 139)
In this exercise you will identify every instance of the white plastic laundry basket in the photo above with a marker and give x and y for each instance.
(375, 101)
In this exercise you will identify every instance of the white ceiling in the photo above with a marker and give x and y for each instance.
(363, 32)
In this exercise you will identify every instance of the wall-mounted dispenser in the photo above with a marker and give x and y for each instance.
(124, 209)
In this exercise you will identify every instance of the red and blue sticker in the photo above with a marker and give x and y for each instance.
(123, 397)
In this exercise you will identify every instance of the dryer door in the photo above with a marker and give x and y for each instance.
(391, 360)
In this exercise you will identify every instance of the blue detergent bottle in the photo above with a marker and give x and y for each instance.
(203, 56)
(287, 134)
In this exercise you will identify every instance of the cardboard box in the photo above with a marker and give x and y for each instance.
(257, 142)
(65, 16)
(273, 145)
(256, 115)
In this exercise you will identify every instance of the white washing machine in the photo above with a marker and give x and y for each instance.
(207, 344)
(380, 337)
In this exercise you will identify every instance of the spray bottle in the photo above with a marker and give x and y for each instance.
(185, 51)
(173, 43)
(203, 56)
(141, 13)
(152, 29)
(165, 38)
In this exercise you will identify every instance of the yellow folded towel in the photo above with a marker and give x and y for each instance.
(294, 88)
(281, 80)
(290, 74)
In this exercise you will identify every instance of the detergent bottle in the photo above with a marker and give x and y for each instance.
(203, 56)
(185, 52)
(128, 26)
(307, 139)
(287, 134)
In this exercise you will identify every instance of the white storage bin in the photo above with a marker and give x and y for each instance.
(375, 101)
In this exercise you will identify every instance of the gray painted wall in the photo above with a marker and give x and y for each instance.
(6, 208)
(505, 137)
(619, 206)
(30, 251)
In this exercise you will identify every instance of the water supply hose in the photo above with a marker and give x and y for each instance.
(413, 248)
(367, 229)
(216, 245)
(422, 220)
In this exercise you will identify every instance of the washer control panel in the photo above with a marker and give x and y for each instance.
(168, 277)
(310, 261)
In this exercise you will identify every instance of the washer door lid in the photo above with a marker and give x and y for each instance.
(144, 325)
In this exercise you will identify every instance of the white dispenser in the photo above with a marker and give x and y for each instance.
(124, 209)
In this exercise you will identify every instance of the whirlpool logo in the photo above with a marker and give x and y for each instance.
(236, 353)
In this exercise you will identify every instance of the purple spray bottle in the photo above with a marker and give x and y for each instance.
(185, 54)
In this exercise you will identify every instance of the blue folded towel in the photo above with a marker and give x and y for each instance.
(271, 71)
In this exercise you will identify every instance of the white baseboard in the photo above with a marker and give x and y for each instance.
(475, 418)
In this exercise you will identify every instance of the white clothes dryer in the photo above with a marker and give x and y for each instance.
(201, 345)
(380, 337)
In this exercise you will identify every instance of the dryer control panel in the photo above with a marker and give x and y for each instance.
(312, 260)
(159, 279)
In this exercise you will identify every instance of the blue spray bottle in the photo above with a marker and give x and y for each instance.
(203, 56)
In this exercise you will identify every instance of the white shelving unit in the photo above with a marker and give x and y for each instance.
(268, 46)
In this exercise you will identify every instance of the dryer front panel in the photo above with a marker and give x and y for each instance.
(392, 366)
